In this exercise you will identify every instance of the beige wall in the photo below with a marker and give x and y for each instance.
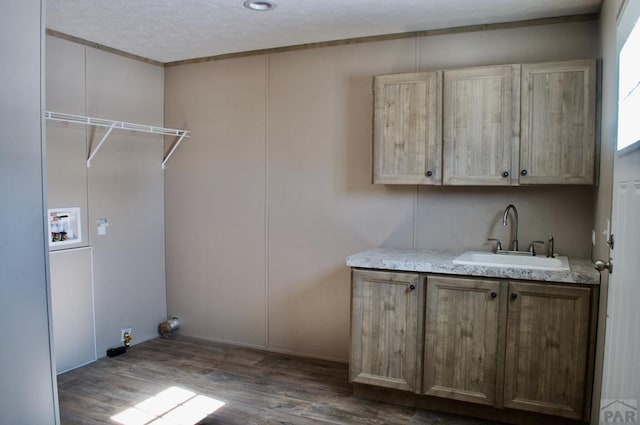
(67, 144)
(123, 185)
(273, 191)
(454, 218)
(467, 217)
(215, 201)
(321, 203)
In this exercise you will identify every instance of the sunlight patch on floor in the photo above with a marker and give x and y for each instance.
(173, 406)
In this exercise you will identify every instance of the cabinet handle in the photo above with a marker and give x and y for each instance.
(514, 296)
(523, 172)
(412, 287)
(505, 174)
(493, 295)
(429, 173)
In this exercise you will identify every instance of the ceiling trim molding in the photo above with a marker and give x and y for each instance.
(102, 47)
(397, 36)
(342, 42)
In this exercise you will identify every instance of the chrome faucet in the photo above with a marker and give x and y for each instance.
(514, 242)
(550, 247)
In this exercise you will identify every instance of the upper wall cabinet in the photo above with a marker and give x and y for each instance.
(495, 125)
(480, 125)
(407, 130)
(557, 142)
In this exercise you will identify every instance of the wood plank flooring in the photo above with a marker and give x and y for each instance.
(256, 387)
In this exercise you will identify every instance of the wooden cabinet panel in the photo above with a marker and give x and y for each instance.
(557, 142)
(547, 348)
(472, 126)
(480, 126)
(461, 339)
(526, 346)
(407, 130)
(386, 329)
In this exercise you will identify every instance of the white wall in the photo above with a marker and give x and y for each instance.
(273, 190)
(27, 381)
(124, 184)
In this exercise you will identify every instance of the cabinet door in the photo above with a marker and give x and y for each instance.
(557, 144)
(461, 339)
(547, 348)
(407, 131)
(481, 120)
(386, 329)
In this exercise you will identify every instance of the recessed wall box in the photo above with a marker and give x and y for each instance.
(64, 226)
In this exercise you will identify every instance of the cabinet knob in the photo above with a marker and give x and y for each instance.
(523, 172)
(505, 174)
(429, 173)
(412, 287)
(514, 296)
(493, 295)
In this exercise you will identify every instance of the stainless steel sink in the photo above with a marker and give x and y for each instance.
(489, 259)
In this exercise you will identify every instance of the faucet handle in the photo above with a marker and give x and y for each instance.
(532, 248)
(498, 243)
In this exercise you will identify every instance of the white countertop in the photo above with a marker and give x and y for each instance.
(434, 261)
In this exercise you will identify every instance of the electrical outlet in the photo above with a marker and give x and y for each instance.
(125, 331)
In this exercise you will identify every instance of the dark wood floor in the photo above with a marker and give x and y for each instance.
(256, 387)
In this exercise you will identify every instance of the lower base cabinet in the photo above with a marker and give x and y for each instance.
(506, 344)
(386, 332)
(461, 339)
(547, 349)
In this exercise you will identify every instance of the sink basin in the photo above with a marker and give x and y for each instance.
(479, 258)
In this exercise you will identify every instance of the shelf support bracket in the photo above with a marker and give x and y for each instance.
(173, 149)
(95, 151)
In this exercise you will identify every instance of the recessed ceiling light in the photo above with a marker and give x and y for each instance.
(260, 5)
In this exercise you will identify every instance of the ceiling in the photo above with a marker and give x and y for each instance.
(174, 30)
